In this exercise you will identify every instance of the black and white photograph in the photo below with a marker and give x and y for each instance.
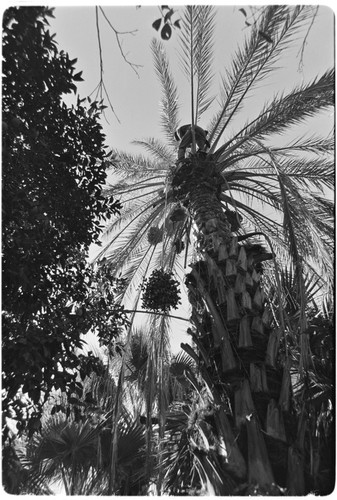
(168, 249)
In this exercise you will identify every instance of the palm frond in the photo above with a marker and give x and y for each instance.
(283, 112)
(309, 173)
(257, 58)
(127, 164)
(197, 43)
(129, 243)
(169, 101)
(303, 157)
(204, 45)
(129, 223)
(313, 144)
(158, 150)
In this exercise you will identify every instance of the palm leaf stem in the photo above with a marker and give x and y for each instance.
(188, 241)
(138, 186)
(286, 150)
(287, 110)
(223, 151)
(323, 176)
(164, 225)
(149, 206)
(158, 150)
(130, 245)
(128, 213)
(190, 26)
(157, 313)
(169, 89)
(270, 200)
(143, 195)
(203, 57)
(302, 297)
(130, 274)
(287, 219)
(249, 209)
(262, 190)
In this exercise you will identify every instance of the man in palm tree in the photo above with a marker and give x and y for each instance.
(185, 135)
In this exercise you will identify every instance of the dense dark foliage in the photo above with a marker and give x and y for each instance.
(160, 291)
(54, 165)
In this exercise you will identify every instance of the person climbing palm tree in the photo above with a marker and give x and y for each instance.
(185, 135)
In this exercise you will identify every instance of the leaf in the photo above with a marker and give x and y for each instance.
(197, 53)
(265, 36)
(188, 349)
(164, 7)
(243, 12)
(35, 395)
(168, 15)
(156, 24)
(170, 98)
(166, 32)
(78, 77)
(177, 23)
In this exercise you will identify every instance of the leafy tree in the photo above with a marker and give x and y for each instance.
(54, 166)
(211, 208)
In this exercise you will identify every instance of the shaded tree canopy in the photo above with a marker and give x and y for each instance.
(54, 166)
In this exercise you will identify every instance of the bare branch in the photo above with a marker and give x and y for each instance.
(117, 34)
(101, 86)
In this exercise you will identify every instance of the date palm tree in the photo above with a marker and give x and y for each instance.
(234, 213)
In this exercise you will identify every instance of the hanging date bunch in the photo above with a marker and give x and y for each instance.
(160, 291)
(155, 235)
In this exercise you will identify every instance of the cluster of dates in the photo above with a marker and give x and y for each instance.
(160, 291)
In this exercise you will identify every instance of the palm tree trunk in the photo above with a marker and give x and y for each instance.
(232, 326)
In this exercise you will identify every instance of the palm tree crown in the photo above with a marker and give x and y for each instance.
(275, 190)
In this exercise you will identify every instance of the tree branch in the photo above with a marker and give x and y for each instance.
(117, 34)
(101, 84)
(157, 313)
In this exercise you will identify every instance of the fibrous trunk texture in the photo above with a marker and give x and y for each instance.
(232, 332)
